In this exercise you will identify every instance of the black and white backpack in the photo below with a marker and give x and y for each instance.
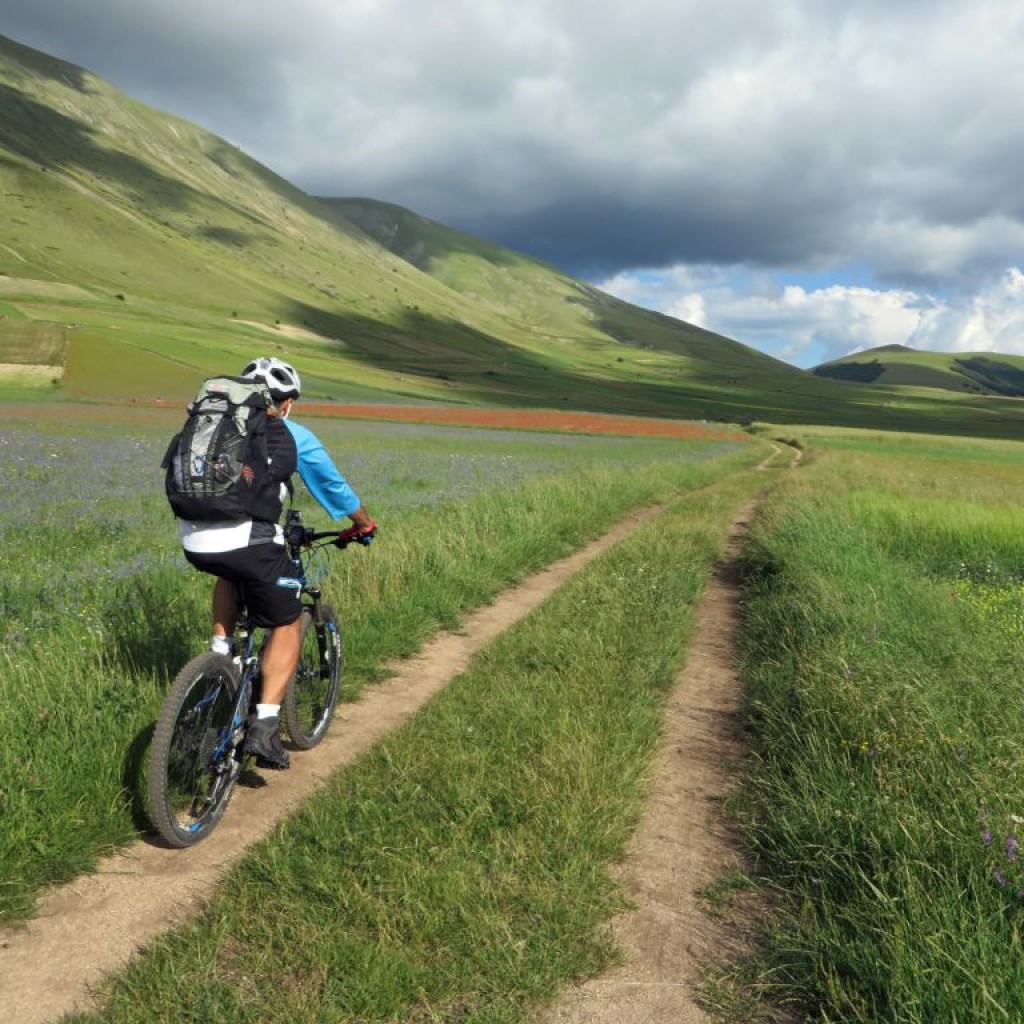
(217, 464)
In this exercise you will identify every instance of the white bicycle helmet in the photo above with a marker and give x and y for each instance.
(278, 375)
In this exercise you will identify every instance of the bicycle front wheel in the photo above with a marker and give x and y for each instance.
(192, 768)
(312, 694)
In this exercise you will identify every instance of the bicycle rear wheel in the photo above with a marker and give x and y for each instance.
(192, 768)
(312, 694)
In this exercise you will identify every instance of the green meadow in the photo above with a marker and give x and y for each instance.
(460, 871)
(884, 795)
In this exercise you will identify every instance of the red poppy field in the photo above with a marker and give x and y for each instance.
(529, 419)
(548, 420)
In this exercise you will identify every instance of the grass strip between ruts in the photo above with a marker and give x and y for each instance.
(459, 871)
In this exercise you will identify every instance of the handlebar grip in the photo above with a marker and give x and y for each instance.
(356, 535)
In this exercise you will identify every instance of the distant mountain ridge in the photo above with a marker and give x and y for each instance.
(140, 243)
(981, 373)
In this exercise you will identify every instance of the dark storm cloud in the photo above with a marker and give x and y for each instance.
(188, 59)
(672, 132)
(596, 235)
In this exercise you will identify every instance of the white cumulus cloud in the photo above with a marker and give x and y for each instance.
(811, 325)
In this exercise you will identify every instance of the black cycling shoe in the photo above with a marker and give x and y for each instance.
(263, 740)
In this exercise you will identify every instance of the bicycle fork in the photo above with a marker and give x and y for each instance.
(226, 762)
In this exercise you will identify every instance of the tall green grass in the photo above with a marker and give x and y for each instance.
(100, 609)
(886, 791)
(459, 871)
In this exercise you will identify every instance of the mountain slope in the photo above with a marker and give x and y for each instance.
(527, 290)
(145, 251)
(142, 208)
(982, 373)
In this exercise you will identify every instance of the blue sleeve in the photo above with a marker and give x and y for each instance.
(320, 475)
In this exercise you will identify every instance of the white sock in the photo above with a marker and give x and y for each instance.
(221, 645)
(267, 710)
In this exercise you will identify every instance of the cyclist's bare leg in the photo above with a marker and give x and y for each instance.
(224, 607)
(280, 658)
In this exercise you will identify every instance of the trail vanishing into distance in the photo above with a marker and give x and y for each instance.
(93, 925)
(681, 845)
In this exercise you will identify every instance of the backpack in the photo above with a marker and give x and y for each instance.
(217, 464)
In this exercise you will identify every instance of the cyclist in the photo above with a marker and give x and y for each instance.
(252, 553)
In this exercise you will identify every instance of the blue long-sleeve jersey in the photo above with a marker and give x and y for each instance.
(320, 475)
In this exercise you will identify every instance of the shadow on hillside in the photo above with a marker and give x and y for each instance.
(481, 368)
(418, 343)
(225, 236)
(44, 137)
(413, 238)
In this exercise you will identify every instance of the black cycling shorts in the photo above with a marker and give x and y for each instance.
(266, 573)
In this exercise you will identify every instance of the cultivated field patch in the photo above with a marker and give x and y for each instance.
(535, 419)
(33, 343)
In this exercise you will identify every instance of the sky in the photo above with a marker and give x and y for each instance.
(810, 177)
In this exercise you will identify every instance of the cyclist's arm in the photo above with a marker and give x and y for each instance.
(322, 478)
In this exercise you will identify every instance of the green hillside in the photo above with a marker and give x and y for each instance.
(981, 373)
(140, 251)
(526, 291)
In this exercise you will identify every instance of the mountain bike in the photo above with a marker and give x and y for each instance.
(196, 756)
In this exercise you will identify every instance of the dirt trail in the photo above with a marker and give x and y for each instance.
(93, 925)
(681, 845)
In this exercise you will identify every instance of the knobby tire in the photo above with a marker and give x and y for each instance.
(192, 771)
(312, 695)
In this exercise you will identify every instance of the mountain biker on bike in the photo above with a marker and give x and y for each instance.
(252, 553)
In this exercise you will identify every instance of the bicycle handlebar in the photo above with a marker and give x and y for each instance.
(339, 541)
(299, 536)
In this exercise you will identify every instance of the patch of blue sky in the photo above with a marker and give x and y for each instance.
(803, 316)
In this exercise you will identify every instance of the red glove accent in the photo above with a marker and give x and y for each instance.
(362, 534)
